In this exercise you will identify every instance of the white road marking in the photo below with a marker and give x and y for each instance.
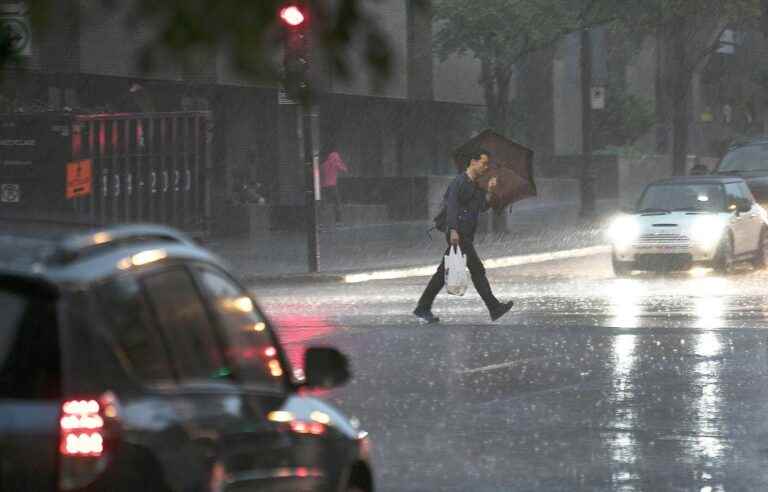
(491, 264)
(504, 365)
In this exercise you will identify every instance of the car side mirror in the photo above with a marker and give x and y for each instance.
(325, 368)
(742, 206)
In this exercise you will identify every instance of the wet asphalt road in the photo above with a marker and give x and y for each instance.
(592, 383)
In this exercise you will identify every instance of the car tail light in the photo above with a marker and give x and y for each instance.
(287, 420)
(88, 428)
(313, 428)
(82, 428)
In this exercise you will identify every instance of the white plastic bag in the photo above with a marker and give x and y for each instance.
(456, 272)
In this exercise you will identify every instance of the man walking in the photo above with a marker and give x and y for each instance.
(465, 200)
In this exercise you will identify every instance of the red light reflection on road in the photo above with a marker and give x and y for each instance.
(297, 331)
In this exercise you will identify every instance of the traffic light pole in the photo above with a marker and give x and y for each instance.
(296, 66)
(309, 135)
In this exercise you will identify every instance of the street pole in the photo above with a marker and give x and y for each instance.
(308, 133)
(296, 65)
(587, 170)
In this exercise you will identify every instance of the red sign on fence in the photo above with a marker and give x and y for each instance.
(79, 178)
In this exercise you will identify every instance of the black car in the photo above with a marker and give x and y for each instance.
(749, 161)
(130, 359)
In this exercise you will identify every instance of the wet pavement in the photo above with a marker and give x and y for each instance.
(655, 382)
(535, 229)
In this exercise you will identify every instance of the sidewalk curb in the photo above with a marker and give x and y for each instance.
(422, 271)
(295, 278)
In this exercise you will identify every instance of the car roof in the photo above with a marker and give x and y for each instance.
(63, 256)
(703, 179)
(756, 141)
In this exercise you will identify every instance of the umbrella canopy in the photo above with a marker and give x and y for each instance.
(511, 164)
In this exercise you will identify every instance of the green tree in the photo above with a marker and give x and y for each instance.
(500, 34)
(626, 118)
(247, 31)
(688, 32)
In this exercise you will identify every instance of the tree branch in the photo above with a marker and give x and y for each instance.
(713, 47)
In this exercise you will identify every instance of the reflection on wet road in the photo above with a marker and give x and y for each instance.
(595, 383)
(582, 291)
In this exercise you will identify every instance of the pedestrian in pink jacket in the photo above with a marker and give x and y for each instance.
(331, 167)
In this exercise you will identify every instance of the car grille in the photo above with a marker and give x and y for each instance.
(675, 239)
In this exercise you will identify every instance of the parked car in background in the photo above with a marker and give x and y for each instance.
(130, 359)
(712, 221)
(750, 162)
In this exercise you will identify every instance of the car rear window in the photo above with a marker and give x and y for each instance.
(29, 346)
(750, 158)
(181, 314)
(129, 321)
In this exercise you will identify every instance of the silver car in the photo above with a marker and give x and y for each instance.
(710, 221)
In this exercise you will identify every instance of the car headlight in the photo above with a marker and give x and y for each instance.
(623, 230)
(706, 231)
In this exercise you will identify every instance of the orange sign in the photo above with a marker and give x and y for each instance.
(79, 178)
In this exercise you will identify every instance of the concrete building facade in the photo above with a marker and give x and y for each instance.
(88, 59)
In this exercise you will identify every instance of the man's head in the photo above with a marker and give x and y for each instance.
(477, 161)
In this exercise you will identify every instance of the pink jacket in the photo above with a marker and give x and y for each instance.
(330, 169)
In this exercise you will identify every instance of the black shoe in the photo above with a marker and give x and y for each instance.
(426, 315)
(501, 310)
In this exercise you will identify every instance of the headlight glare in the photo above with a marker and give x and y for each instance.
(623, 230)
(706, 231)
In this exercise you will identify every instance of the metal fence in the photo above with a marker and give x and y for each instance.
(109, 168)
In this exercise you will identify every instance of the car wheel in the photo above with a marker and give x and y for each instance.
(621, 268)
(723, 261)
(761, 257)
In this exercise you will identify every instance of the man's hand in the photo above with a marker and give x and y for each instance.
(492, 183)
(454, 237)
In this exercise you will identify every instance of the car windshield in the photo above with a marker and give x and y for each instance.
(750, 158)
(688, 197)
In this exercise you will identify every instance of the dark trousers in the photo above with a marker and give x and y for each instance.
(331, 197)
(476, 270)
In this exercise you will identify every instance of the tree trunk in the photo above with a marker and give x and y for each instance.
(503, 81)
(496, 81)
(680, 135)
(764, 17)
(503, 78)
(681, 88)
(588, 197)
(662, 92)
(489, 92)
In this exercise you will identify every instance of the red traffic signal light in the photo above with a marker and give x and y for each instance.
(292, 16)
(296, 50)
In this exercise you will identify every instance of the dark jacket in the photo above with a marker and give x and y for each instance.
(465, 201)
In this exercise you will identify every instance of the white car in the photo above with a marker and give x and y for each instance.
(681, 222)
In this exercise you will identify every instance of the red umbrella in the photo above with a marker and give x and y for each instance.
(511, 164)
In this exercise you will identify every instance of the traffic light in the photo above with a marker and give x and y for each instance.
(292, 16)
(296, 60)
